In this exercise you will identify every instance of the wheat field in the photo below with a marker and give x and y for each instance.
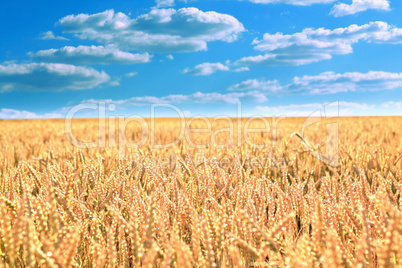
(235, 205)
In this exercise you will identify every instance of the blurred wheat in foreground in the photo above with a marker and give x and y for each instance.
(68, 207)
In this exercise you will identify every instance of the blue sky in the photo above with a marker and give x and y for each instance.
(275, 57)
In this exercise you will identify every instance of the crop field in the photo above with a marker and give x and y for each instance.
(210, 199)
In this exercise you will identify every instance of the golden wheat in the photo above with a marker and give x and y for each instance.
(213, 207)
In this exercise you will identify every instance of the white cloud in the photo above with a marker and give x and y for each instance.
(337, 10)
(49, 35)
(160, 30)
(336, 108)
(22, 114)
(312, 45)
(131, 74)
(392, 104)
(115, 83)
(208, 68)
(164, 3)
(282, 60)
(197, 97)
(327, 83)
(49, 77)
(257, 84)
(292, 2)
(16, 114)
(89, 55)
(169, 3)
(241, 69)
(330, 82)
(311, 106)
(359, 6)
(170, 57)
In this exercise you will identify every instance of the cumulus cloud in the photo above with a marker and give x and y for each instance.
(170, 57)
(343, 108)
(89, 55)
(327, 83)
(208, 68)
(49, 77)
(312, 45)
(357, 6)
(198, 97)
(49, 35)
(257, 84)
(292, 2)
(160, 30)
